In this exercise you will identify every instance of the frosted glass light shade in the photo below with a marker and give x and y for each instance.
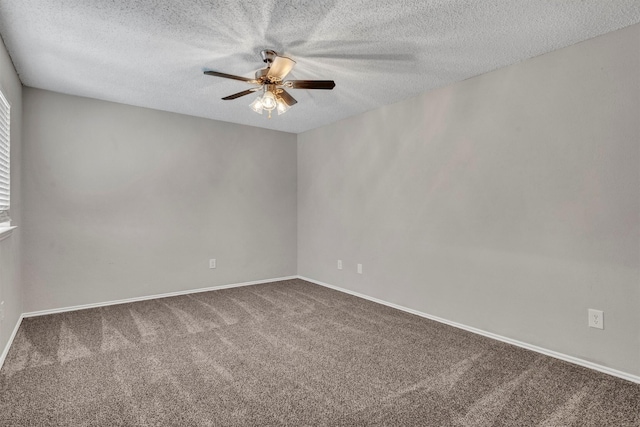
(282, 106)
(257, 105)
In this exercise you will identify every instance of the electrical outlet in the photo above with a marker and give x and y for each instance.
(596, 319)
(339, 264)
(359, 268)
(212, 263)
(1, 310)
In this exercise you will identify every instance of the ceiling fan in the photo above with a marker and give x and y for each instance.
(271, 82)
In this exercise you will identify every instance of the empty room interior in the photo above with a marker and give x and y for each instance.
(319, 213)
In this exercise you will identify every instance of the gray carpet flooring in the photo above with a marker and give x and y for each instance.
(288, 353)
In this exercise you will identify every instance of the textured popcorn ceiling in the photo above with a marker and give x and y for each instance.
(151, 53)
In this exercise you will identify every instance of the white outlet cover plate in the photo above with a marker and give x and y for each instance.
(212, 263)
(339, 264)
(360, 268)
(596, 319)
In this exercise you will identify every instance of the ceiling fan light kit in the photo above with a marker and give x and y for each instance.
(271, 82)
(269, 101)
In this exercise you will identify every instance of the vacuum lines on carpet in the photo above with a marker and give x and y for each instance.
(288, 353)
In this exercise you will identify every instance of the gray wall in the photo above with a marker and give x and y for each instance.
(123, 201)
(10, 289)
(508, 202)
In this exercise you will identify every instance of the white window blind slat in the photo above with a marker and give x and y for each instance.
(5, 157)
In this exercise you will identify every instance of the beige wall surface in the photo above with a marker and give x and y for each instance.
(509, 202)
(10, 287)
(123, 202)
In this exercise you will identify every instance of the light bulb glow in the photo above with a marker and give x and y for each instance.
(268, 101)
(257, 105)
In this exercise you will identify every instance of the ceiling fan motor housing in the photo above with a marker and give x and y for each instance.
(262, 73)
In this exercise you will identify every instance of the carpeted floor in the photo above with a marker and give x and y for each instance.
(288, 353)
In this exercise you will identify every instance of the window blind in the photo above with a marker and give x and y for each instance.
(5, 122)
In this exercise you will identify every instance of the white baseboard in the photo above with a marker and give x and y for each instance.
(555, 354)
(3, 356)
(148, 297)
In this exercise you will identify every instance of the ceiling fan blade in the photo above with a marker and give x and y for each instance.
(288, 99)
(239, 94)
(229, 76)
(280, 67)
(311, 84)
